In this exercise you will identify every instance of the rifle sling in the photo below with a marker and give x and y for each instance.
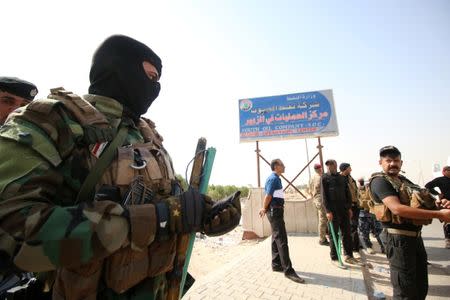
(99, 168)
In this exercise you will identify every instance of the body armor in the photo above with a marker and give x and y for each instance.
(147, 254)
(409, 194)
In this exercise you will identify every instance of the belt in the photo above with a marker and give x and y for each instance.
(404, 232)
(276, 206)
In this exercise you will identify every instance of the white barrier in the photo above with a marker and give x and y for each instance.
(300, 216)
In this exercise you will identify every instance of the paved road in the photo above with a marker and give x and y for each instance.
(439, 257)
(250, 276)
(378, 278)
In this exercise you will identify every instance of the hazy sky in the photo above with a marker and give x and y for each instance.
(388, 63)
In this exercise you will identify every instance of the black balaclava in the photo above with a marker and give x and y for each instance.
(117, 72)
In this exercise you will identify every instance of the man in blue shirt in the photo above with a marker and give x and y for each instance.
(273, 206)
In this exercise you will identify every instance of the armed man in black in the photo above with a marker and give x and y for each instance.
(443, 183)
(337, 201)
(397, 206)
(346, 171)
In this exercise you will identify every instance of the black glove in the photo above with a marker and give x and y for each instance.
(222, 216)
(186, 211)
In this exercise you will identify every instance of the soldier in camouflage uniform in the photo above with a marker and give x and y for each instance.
(367, 221)
(124, 238)
(321, 213)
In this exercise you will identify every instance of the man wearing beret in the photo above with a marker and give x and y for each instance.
(395, 204)
(337, 201)
(95, 208)
(317, 198)
(346, 170)
(14, 93)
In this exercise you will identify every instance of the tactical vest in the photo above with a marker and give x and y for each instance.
(136, 261)
(364, 199)
(353, 190)
(409, 193)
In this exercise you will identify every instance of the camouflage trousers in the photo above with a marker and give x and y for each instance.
(368, 224)
(322, 228)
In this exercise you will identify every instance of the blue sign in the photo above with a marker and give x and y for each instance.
(301, 115)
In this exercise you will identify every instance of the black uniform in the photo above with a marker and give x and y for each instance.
(336, 199)
(406, 254)
(355, 217)
(443, 183)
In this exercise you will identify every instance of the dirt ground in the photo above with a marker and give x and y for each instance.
(211, 253)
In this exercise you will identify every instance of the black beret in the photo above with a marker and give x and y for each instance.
(18, 87)
(344, 166)
(389, 150)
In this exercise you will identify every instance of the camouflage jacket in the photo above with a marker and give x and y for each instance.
(315, 187)
(45, 155)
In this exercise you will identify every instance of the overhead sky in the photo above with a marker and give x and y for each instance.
(387, 62)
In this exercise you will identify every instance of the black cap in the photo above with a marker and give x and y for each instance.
(344, 166)
(329, 161)
(389, 150)
(18, 87)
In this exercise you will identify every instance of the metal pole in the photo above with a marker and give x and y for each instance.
(257, 164)
(307, 158)
(319, 146)
(309, 162)
(289, 182)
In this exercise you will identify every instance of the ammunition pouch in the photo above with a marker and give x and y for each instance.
(127, 267)
(78, 283)
(381, 212)
(422, 199)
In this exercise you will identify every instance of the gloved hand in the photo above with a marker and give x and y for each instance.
(186, 211)
(222, 216)
(194, 212)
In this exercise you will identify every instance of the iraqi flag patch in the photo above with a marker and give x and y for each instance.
(98, 148)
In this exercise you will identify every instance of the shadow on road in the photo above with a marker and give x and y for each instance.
(334, 282)
(439, 290)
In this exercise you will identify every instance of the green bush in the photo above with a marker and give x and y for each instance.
(217, 192)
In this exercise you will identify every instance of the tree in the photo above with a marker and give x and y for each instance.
(217, 192)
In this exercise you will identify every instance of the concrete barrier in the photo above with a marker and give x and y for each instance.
(300, 216)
